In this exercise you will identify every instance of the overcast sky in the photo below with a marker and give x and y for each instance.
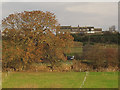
(97, 14)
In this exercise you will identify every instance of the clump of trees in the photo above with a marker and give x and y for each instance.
(32, 36)
(99, 56)
(106, 37)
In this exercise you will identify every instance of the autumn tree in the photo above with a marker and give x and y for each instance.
(30, 36)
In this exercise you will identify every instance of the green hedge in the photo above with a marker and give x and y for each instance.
(109, 38)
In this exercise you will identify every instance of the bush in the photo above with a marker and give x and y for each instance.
(78, 66)
(100, 56)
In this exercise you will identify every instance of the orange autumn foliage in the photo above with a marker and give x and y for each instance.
(31, 36)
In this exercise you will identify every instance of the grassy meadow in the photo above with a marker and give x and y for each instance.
(60, 80)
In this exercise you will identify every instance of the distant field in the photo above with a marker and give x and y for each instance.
(60, 80)
(76, 49)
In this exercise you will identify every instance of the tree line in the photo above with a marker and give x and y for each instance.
(107, 37)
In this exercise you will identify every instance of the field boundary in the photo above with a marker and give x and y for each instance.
(84, 80)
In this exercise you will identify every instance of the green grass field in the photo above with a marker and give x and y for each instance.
(60, 80)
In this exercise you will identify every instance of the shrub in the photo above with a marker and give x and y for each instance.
(100, 56)
(80, 67)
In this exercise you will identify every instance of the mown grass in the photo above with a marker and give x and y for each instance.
(60, 80)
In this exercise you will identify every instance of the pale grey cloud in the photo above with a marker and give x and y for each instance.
(91, 8)
(95, 14)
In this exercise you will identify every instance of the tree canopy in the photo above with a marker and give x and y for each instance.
(31, 36)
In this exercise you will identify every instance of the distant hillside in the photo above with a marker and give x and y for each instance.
(109, 38)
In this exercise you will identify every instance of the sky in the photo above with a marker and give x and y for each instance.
(97, 14)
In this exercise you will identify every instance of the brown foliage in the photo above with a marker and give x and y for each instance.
(101, 56)
(80, 67)
(29, 37)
